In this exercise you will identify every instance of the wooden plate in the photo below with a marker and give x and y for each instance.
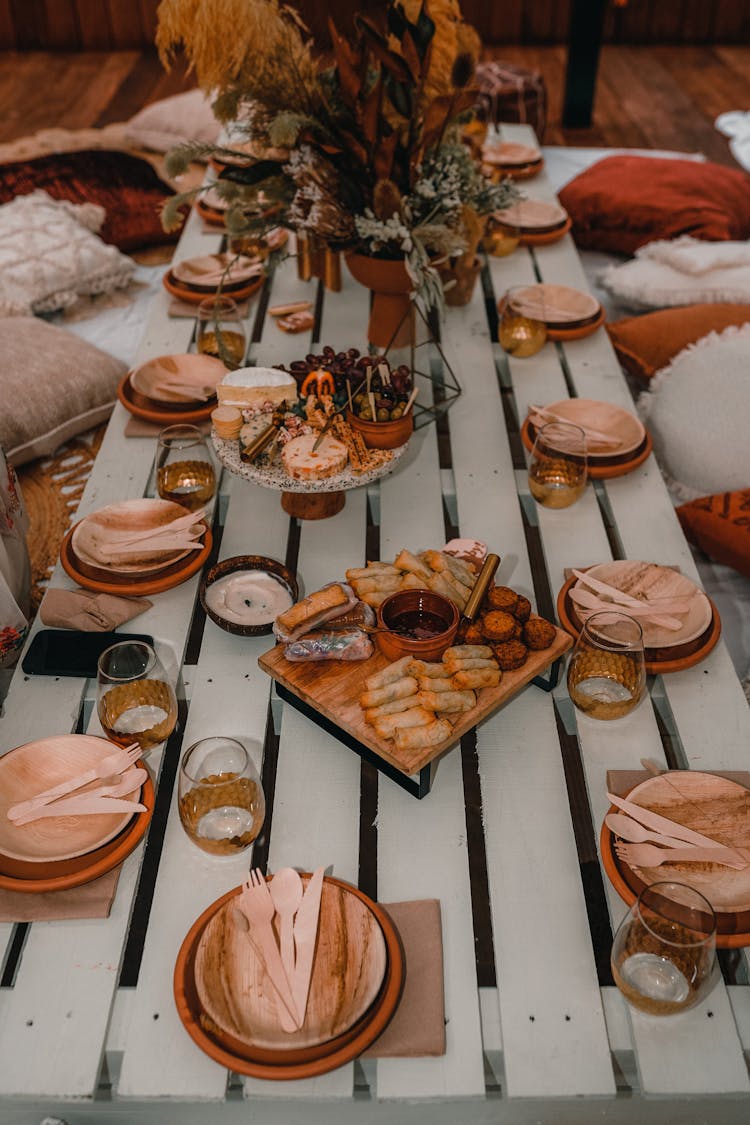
(207, 272)
(201, 371)
(559, 306)
(674, 658)
(333, 689)
(614, 421)
(65, 874)
(349, 969)
(533, 215)
(43, 764)
(718, 808)
(289, 1065)
(165, 579)
(510, 154)
(194, 296)
(579, 332)
(161, 415)
(116, 521)
(603, 468)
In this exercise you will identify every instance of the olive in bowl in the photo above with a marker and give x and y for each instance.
(418, 623)
(383, 435)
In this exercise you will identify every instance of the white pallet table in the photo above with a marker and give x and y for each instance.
(522, 791)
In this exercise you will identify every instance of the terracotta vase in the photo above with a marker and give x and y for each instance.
(465, 278)
(392, 312)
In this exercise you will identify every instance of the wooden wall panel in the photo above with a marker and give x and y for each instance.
(123, 24)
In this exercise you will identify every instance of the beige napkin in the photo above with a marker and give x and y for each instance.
(178, 308)
(92, 900)
(620, 782)
(418, 1027)
(139, 427)
(92, 613)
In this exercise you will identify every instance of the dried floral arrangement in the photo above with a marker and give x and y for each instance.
(364, 151)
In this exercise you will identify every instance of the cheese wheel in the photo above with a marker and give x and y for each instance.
(253, 387)
(301, 463)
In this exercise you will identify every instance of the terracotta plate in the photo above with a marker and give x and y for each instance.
(557, 305)
(290, 1064)
(714, 806)
(577, 331)
(601, 468)
(112, 525)
(40, 765)
(349, 968)
(673, 658)
(613, 421)
(152, 379)
(64, 874)
(163, 414)
(545, 237)
(210, 271)
(510, 153)
(135, 585)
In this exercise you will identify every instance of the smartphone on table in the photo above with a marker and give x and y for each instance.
(71, 652)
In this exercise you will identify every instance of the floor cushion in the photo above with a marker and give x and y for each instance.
(646, 343)
(126, 186)
(623, 202)
(697, 411)
(53, 385)
(171, 121)
(720, 526)
(646, 282)
(50, 255)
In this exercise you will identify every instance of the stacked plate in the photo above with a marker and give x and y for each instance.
(136, 547)
(568, 313)
(228, 1007)
(618, 441)
(666, 650)
(59, 852)
(212, 207)
(538, 222)
(518, 161)
(714, 806)
(173, 388)
(195, 279)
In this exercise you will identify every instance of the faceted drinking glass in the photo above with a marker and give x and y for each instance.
(220, 332)
(184, 467)
(558, 468)
(607, 673)
(664, 953)
(523, 329)
(135, 700)
(222, 806)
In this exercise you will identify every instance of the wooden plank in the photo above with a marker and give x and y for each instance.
(94, 24)
(126, 26)
(61, 28)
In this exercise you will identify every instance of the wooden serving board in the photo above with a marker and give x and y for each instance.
(333, 688)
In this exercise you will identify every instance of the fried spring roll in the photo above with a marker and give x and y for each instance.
(389, 674)
(393, 708)
(371, 571)
(417, 738)
(426, 668)
(405, 560)
(376, 584)
(447, 701)
(406, 720)
(452, 666)
(468, 652)
(477, 678)
(435, 683)
(386, 694)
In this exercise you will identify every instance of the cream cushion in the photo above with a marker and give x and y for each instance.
(50, 255)
(171, 121)
(53, 385)
(684, 271)
(696, 410)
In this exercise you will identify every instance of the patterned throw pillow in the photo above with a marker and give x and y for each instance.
(720, 526)
(53, 385)
(50, 255)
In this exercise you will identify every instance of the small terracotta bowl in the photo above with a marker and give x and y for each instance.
(394, 645)
(246, 562)
(383, 435)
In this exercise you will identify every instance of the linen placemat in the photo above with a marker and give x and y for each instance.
(418, 1027)
(138, 427)
(92, 900)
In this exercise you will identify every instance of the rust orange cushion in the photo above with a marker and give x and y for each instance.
(645, 344)
(623, 202)
(126, 186)
(720, 526)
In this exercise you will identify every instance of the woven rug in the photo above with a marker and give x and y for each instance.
(52, 488)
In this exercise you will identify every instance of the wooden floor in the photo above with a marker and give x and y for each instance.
(647, 97)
